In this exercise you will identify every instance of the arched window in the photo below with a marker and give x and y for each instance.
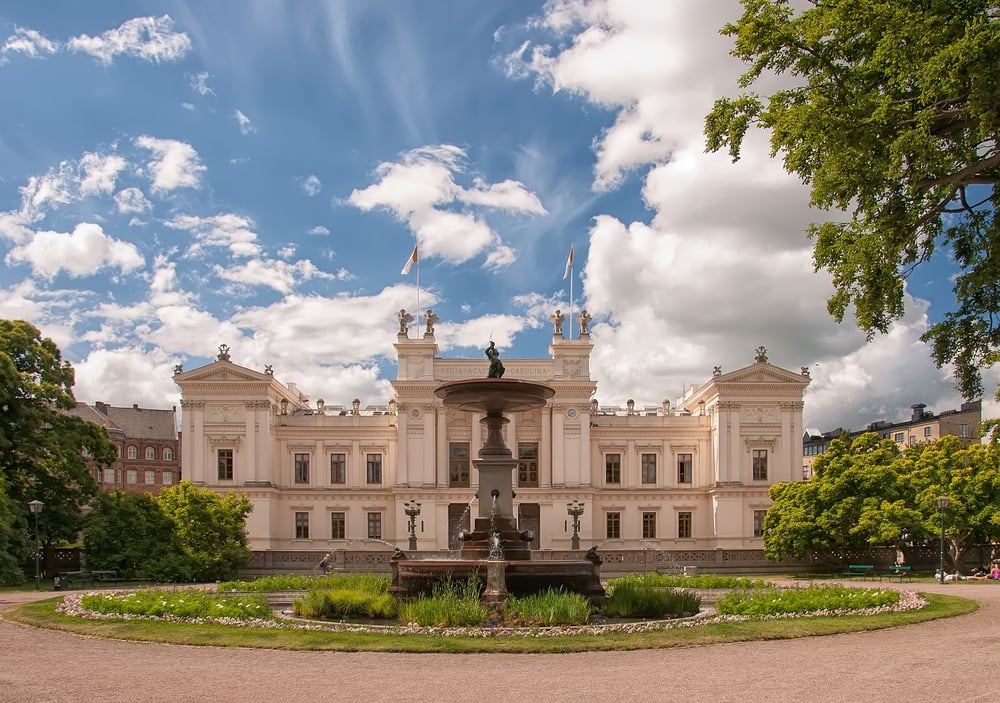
(133, 453)
(168, 454)
(150, 453)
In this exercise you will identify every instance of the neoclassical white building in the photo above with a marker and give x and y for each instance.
(693, 475)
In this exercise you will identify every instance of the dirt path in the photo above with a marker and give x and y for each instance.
(953, 660)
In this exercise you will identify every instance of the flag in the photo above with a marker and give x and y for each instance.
(569, 262)
(409, 262)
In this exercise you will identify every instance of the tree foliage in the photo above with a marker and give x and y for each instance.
(44, 453)
(14, 545)
(889, 111)
(184, 534)
(867, 493)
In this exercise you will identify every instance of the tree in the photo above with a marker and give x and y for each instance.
(150, 550)
(855, 500)
(210, 530)
(43, 453)
(891, 113)
(13, 540)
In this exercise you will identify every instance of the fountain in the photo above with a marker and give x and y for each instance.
(494, 550)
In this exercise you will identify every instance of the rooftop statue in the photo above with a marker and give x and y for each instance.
(405, 319)
(496, 366)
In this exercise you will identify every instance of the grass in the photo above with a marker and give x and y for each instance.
(43, 614)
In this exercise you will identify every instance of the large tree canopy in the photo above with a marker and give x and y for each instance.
(44, 453)
(890, 111)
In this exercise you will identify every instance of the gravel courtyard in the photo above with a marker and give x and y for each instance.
(953, 660)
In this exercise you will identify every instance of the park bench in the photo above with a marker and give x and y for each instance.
(106, 576)
(899, 571)
(862, 570)
(75, 579)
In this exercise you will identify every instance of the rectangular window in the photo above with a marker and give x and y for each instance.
(375, 525)
(338, 526)
(758, 522)
(649, 468)
(301, 525)
(301, 468)
(374, 468)
(527, 464)
(612, 468)
(225, 463)
(685, 468)
(759, 464)
(338, 468)
(684, 525)
(458, 464)
(168, 478)
(133, 476)
(927, 431)
(109, 476)
(614, 523)
(899, 437)
(150, 478)
(963, 430)
(649, 525)
(168, 454)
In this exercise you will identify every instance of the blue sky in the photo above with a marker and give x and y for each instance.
(177, 175)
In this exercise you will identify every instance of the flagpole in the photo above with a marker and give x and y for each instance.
(571, 277)
(418, 290)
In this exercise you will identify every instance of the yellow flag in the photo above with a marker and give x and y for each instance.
(409, 262)
(569, 261)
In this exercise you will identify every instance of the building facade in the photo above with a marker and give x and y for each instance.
(923, 426)
(694, 475)
(148, 445)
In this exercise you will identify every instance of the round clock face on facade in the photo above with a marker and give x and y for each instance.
(415, 412)
(571, 413)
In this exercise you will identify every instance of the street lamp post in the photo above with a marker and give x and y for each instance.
(35, 506)
(943, 502)
(412, 510)
(575, 509)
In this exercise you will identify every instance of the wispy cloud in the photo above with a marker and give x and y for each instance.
(246, 126)
(146, 38)
(28, 42)
(311, 185)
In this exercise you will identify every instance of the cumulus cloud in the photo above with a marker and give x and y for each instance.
(131, 200)
(83, 252)
(99, 173)
(319, 231)
(418, 187)
(174, 164)
(225, 230)
(722, 265)
(246, 126)
(147, 38)
(281, 276)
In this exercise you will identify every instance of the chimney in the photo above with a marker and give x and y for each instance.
(918, 411)
(101, 407)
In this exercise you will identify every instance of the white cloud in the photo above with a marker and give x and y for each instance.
(83, 252)
(199, 84)
(311, 185)
(246, 126)
(319, 231)
(226, 230)
(99, 172)
(131, 200)
(418, 187)
(147, 38)
(175, 164)
(28, 42)
(140, 375)
(188, 106)
(282, 276)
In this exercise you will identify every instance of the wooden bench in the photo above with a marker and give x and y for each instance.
(75, 579)
(106, 576)
(899, 571)
(862, 570)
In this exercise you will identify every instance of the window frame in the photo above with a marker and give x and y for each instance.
(338, 519)
(300, 463)
(613, 525)
(373, 468)
(758, 522)
(374, 522)
(225, 460)
(527, 464)
(301, 521)
(758, 458)
(685, 524)
(649, 524)
(459, 465)
(685, 467)
(647, 462)
(612, 469)
(338, 468)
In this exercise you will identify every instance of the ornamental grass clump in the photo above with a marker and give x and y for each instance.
(815, 599)
(451, 604)
(185, 604)
(631, 597)
(346, 603)
(548, 608)
(705, 581)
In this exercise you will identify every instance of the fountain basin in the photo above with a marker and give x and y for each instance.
(520, 577)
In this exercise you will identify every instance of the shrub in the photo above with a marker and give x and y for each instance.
(550, 607)
(631, 597)
(345, 603)
(298, 582)
(774, 601)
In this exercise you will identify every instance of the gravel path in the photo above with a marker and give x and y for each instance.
(953, 660)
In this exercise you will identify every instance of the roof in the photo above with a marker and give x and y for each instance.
(135, 422)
